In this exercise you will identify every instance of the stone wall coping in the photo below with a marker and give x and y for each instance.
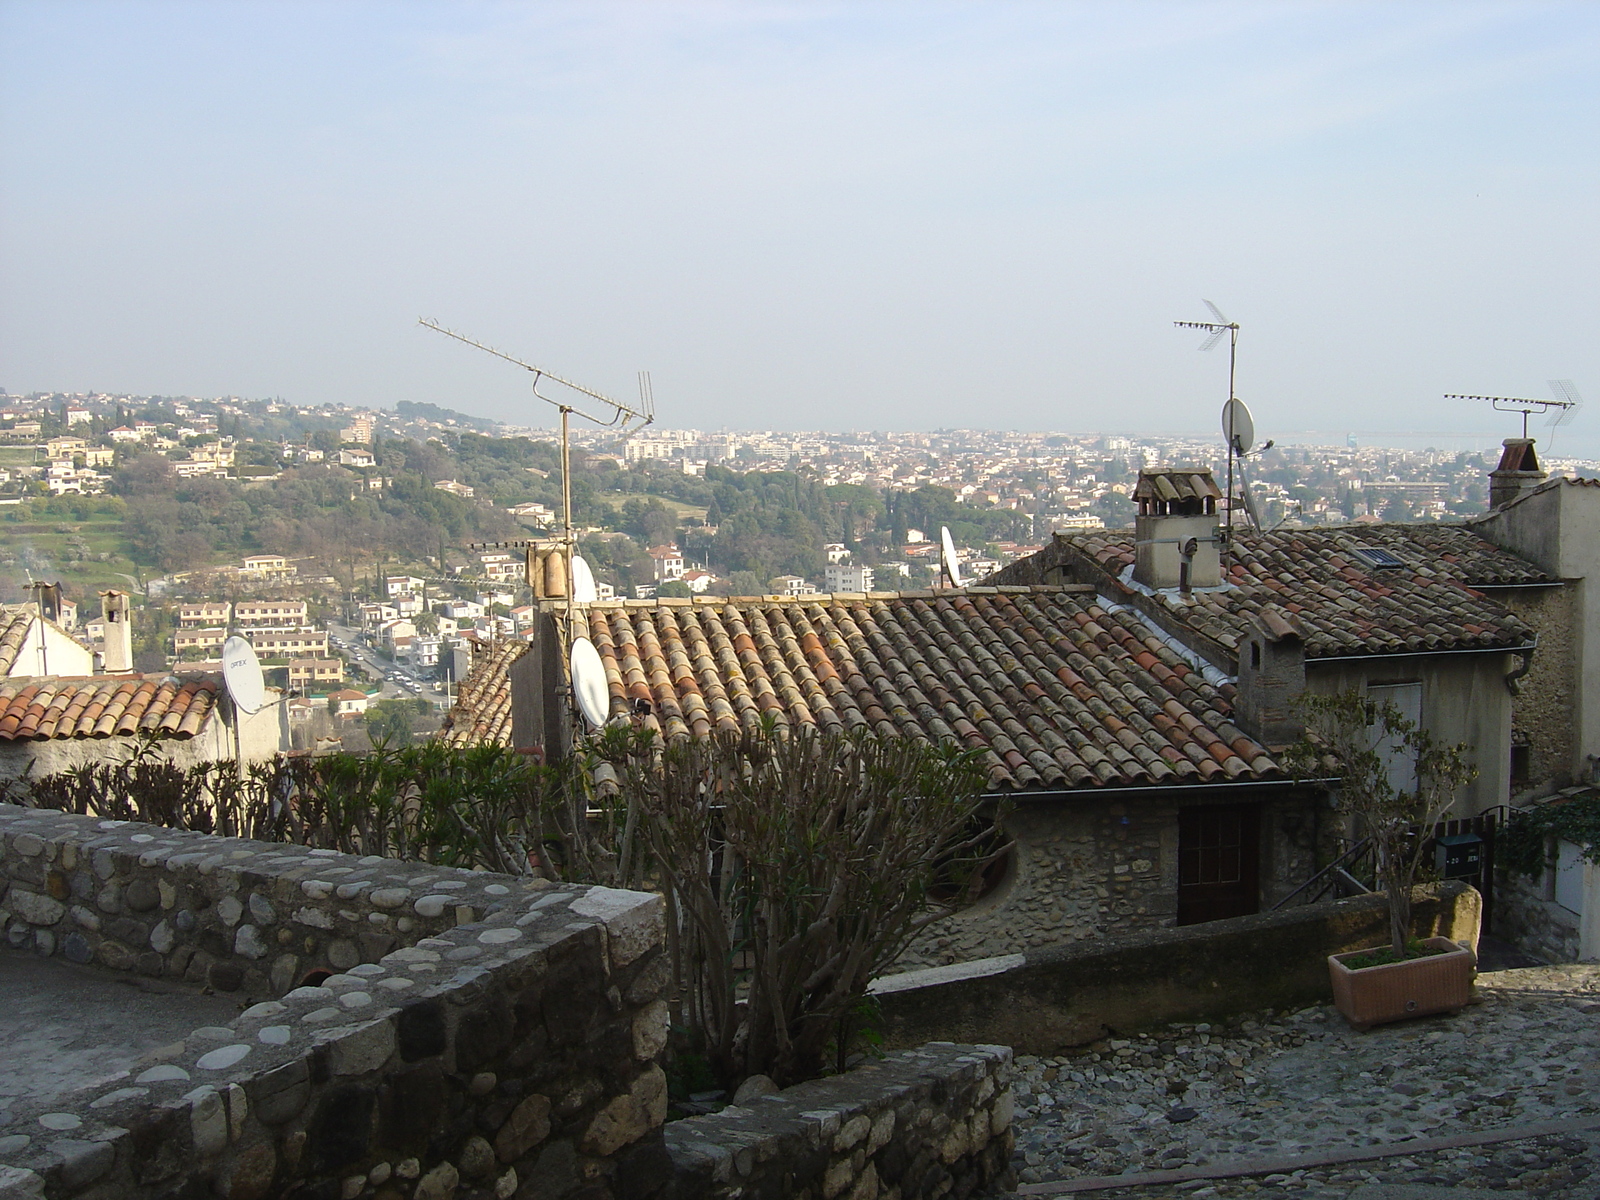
(975, 968)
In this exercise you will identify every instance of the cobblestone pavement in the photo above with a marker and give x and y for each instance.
(1291, 1085)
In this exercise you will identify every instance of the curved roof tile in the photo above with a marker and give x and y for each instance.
(43, 709)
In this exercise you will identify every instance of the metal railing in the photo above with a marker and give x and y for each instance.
(1337, 877)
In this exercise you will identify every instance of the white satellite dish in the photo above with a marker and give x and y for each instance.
(583, 589)
(947, 556)
(241, 673)
(1238, 428)
(589, 685)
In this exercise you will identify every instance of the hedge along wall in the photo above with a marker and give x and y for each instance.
(1044, 1001)
(920, 1124)
(511, 1054)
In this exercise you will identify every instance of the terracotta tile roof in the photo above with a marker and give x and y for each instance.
(14, 625)
(1341, 602)
(1055, 689)
(39, 709)
(482, 711)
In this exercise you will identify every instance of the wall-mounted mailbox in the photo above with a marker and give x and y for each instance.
(1459, 856)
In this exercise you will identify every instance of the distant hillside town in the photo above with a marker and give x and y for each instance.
(365, 552)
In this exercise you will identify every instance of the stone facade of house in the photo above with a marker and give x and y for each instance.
(1083, 867)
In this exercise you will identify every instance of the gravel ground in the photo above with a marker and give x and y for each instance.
(1277, 1085)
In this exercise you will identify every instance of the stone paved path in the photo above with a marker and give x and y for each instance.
(1304, 1084)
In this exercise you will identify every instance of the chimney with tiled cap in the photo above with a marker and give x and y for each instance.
(117, 614)
(1519, 471)
(1272, 677)
(1177, 529)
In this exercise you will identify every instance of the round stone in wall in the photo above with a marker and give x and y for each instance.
(222, 1059)
(165, 1073)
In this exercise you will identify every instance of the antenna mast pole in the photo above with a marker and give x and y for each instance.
(1216, 329)
(621, 416)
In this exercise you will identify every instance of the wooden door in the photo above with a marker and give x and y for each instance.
(1219, 862)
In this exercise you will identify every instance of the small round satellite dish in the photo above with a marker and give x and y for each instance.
(589, 682)
(1238, 429)
(241, 673)
(947, 556)
(583, 589)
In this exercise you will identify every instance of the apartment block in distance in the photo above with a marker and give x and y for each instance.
(309, 672)
(289, 643)
(188, 641)
(205, 615)
(278, 614)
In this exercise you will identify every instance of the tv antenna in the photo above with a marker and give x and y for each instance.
(622, 416)
(1561, 410)
(1235, 417)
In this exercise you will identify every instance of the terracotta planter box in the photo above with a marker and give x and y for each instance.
(1417, 987)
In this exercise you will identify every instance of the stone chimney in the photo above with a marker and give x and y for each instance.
(1272, 676)
(1519, 471)
(118, 616)
(1177, 530)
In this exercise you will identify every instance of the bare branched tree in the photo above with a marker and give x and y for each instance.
(798, 866)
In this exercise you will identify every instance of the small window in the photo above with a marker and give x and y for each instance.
(1255, 656)
(1376, 556)
(1521, 764)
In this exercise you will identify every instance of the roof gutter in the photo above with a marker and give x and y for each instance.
(1511, 587)
(1527, 648)
(1146, 789)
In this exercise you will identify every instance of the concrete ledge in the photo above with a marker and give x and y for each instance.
(919, 1124)
(1062, 997)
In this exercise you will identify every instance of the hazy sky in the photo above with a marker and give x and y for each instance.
(810, 215)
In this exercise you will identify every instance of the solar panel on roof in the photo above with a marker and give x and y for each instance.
(1379, 557)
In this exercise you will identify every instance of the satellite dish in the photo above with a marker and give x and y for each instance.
(589, 684)
(241, 674)
(1238, 429)
(947, 557)
(583, 589)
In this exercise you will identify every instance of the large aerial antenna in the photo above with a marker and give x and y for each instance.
(1216, 331)
(622, 416)
(1561, 410)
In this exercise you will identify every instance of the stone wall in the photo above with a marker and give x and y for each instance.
(1047, 1000)
(1087, 868)
(1547, 696)
(238, 916)
(1526, 914)
(924, 1123)
(505, 1045)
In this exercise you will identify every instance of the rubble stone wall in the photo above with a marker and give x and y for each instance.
(508, 1047)
(235, 915)
(919, 1124)
(1526, 914)
(1085, 869)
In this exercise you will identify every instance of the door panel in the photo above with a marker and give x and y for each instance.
(1219, 862)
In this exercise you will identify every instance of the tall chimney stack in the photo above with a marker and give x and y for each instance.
(118, 614)
(1519, 471)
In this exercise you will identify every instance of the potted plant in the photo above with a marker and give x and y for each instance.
(1409, 977)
